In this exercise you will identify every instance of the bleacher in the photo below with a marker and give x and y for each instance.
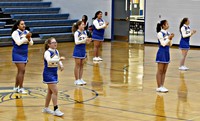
(42, 20)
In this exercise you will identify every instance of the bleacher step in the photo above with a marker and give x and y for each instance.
(20, 0)
(30, 10)
(24, 4)
(39, 16)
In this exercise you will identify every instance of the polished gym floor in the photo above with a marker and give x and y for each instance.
(120, 88)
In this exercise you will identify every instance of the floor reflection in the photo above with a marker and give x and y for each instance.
(78, 114)
(20, 116)
(182, 103)
(128, 70)
(46, 117)
(119, 68)
(139, 39)
(160, 108)
(97, 80)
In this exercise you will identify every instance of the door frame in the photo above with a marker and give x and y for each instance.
(112, 20)
(144, 20)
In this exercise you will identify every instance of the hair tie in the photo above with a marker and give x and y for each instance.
(158, 22)
(46, 41)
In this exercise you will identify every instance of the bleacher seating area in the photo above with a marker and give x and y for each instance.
(42, 20)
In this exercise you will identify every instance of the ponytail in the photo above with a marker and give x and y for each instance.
(159, 25)
(75, 26)
(158, 28)
(183, 21)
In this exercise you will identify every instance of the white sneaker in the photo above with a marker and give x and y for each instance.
(57, 112)
(186, 68)
(78, 82)
(15, 89)
(83, 82)
(164, 89)
(100, 59)
(158, 89)
(182, 68)
(22, 90)
(95, 59)
(47, 110)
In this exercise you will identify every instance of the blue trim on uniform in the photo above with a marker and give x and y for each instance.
(20, 61)
(53, 82)
(80, 57)
(97, 39)
(162, 62)
(184, 48)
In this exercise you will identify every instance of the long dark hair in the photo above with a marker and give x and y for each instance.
(184, 20)
(75, 26)
(86, 18)
(160, 25)
(96, 14)
(15, 26)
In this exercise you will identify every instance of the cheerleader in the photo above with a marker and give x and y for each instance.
(163, 55)
(21, 39)
(52, 61)
(85, 20)
(86, 23)
(79, 54)
(184, 45)
(98, 34)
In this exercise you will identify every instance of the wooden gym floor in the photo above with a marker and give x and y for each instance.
(121, 88)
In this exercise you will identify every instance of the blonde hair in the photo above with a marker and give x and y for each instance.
(48, 41)
(76, 25)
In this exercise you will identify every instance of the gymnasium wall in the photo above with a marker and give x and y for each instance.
(77, 8)
(173, 11)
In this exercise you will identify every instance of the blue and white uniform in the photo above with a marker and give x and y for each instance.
(163, 55)
(80, 41)
(20, 46)
(98, 29)
(51, 63)
(185, 37)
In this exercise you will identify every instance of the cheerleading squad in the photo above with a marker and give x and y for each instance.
(53, 61)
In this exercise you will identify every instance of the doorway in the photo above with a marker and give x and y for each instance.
(128, 21)
(137, 25)
(120, 20)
